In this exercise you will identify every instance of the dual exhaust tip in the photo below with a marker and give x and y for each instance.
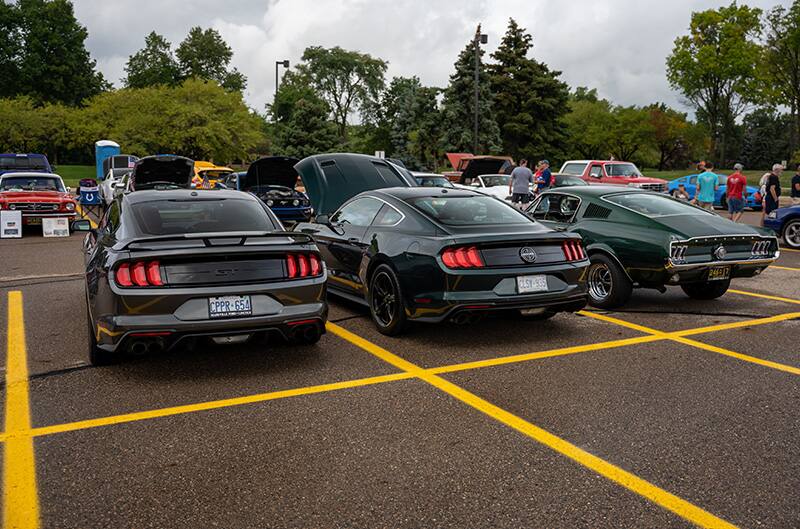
(141, 347)
(467, 318)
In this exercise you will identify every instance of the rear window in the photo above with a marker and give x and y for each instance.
(654, 205)
(575, 169)
(31, 183)
(172, 217)
(466, 211)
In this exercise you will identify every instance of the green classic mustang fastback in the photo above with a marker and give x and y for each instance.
(643, 239)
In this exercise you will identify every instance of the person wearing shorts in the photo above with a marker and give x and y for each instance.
(736, 193)
(707, 183)
(519, 186)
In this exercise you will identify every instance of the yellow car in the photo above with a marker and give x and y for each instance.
(208, 171)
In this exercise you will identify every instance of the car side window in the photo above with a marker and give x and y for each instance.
(556, 208)
(359, 212)
(693, 180)
(388, 216)
(596, 171)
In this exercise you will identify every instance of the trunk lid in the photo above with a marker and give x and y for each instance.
(481, 165)
(689, 226)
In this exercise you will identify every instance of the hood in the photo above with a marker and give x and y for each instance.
(332, 179)
(164, 169)
(37, 196)
(270, 171)
(689, 226)
(644, 180)
(484, 165)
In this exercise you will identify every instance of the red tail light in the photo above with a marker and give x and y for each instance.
(139, 274)
(463, 257)
(573, 250)
(303, 265)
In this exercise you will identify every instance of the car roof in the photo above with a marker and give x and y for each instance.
(29, 174)
(404, 193)
(598, 190)
(149, 195)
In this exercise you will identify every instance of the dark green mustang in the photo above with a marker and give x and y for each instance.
(642, 239)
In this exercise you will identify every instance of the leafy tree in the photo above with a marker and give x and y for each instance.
(766, 138)
(204, 54)
(589, 125)
(715, 67)
(782, 53)
(530, 101)
(631, 132)
(346, 80)
(10, 50)
(426, 140)
(49, 129)
(153, 65)
(458, 106)
(671, 133)
(54, 65)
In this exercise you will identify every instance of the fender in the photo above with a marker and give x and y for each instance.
(606, 250)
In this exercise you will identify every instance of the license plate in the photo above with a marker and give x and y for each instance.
(719, 273)
(34, 221)
(528, 284)
(227, 306)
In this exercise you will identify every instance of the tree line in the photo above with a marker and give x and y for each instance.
(737, 68)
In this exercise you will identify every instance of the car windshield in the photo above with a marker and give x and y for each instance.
(469, 210)
(622, 169)
(31, 183)
(21, 163)
(438, 181)
(215, 174)
(170, 217)
(651, 205)
(575, 169)
(496, 180)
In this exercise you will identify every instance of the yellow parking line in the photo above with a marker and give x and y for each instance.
(785, 268)
(677, 338)
(20, 499)
(764, 296)
(630, 481)
(785, 249)
(86, 216)
(738, 324)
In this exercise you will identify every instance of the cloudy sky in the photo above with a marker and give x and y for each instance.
(616, 46)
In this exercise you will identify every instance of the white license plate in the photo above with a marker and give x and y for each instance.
(227, 306)
(719, 273)
(528, 284)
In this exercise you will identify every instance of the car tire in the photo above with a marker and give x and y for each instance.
(97, 356)
(791, 234)
(609, 286)
(706, 290)
(386, 304)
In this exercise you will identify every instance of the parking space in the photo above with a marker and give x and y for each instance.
(666, 413)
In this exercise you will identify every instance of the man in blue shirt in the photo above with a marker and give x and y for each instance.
(707, 185)
(543, 181)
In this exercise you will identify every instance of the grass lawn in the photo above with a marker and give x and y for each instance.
(72, 173)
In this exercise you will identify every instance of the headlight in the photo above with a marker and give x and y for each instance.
(12, 206)
(70, 206)
(772, 215)
(270, 202)
(295, 202)
(633, 184)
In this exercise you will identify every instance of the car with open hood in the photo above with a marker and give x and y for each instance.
(168, 266)
(433, 254)
(37, 196)
(162, 171)
(637, 238)
(209, 174)
(274, 179)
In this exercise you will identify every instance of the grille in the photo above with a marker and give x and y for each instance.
(32, 206)
(655, 187)
(595, 211)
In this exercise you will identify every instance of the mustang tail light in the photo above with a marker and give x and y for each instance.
(573, 250)
(463, 257)
(139, 274)
(299, 265)
(677, 253)
(761, 249)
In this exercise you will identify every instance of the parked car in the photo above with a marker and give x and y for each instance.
(753, 199)
(37, 196)
(636, 238)
(162, 171)
(170, 265)
(496, 185)
(612, 172)
(274, 180)
(431, 180)
(113, 184)
(786, 223)
(467, 166)
(213, 173)
(433, 254)
(27, 163)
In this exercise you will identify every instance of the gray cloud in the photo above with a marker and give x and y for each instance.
(616, 46)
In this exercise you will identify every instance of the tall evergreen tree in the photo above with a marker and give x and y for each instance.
(153, 65)
(458, 106)
(10, 49)
(530, 101)
(204, 54)
(54, 64)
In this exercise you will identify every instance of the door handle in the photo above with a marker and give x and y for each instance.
(354, 240)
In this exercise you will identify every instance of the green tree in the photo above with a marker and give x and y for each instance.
(49, 129)
(589, 125)
(715, 67)
(530, 101)
(766, 138)
(426, 140)
(631, 132)
(782, 54)
(54, 65)
(153, 65)
(10, 50)
(204, 54)
(346, 80)
(458, 106)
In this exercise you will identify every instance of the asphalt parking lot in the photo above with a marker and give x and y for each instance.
(668, 413)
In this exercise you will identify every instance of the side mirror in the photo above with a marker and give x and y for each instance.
(596, 175)
(81, 225)
(119, 185)
(475, 184)
(323, 219)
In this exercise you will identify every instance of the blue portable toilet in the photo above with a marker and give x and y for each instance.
(102, 150)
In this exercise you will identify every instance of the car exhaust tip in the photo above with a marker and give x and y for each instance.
(462, 318)
(138, 347)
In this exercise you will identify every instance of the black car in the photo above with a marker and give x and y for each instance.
(434, 254)
(161, 171)
(170, 265)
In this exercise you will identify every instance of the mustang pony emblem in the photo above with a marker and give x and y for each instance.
(527, 254)
(720, 252)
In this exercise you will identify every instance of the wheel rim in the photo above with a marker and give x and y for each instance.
(600, 281)
(792, 234)
(384, 299)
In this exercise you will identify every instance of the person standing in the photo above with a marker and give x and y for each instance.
(796, 187)
(736, 193)
(519, 186)
(773, 190)
(545, 178)
(707, 185)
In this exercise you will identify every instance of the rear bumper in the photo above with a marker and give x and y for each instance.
(693, 273)
(28, 218)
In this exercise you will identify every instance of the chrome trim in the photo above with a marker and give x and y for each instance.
(766, 261)
(685, 242)
(50, 214)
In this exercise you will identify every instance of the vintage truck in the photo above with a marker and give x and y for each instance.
(612, 172)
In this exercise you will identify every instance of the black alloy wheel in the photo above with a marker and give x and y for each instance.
(609, 287)
(386, 302)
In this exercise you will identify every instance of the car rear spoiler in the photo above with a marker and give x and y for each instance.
(216, 239)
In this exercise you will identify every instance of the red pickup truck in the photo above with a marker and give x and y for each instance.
(612, 172)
